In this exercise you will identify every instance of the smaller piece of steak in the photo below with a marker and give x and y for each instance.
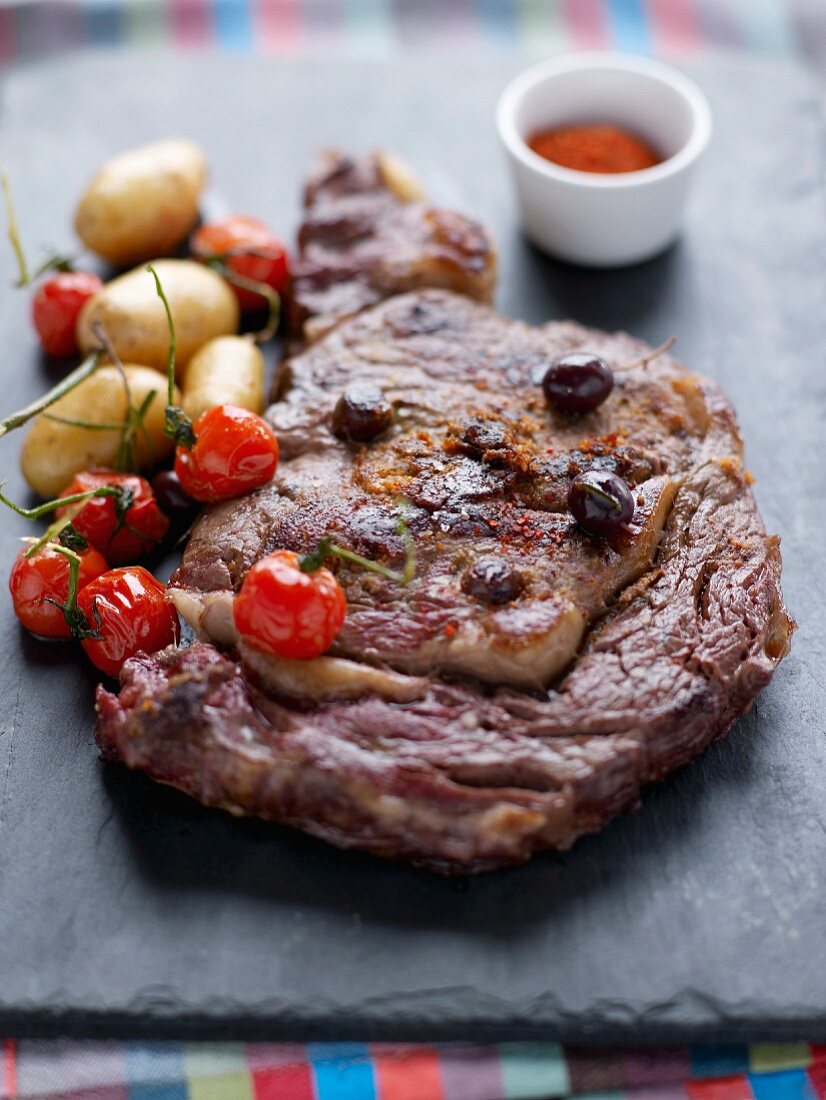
(368, 233)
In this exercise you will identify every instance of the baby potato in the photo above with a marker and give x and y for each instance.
(202, 303)
(227, 371)
(53, 452)
(143, 203)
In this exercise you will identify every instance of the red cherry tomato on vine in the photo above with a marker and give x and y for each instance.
(123, 536)
(55, 308)
(235, 451)
(287, 612)
(128, 609)
(45, 576)
(246, 246)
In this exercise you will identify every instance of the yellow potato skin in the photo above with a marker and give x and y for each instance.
(227, 371)
(203, 307)
(53, 453)
(142, 203)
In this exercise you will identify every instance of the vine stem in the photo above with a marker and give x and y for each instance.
(60, 502)
(329, 549)
(53, 262)
(14, 234)
(54, 530)
(170, 361)
(272, 298)
(74, 573)
(177, 424)
(86, 368)
(644, 360)
(127, 456)
(90, 425)
(106, 344)
(75, 619)
(51, 534)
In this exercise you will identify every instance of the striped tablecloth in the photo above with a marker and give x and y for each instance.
(35, 28)
(31, 29)
(170, 1071)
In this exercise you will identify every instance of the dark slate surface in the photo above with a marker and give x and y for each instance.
(127, 909)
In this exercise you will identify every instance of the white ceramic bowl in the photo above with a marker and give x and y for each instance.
(612, 219)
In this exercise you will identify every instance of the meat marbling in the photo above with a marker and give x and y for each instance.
(530, 679)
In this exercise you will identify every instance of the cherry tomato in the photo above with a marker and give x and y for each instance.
(235, 451)
(55, 308)
(286, 612)
(128, 609)
(45, 576)
(122, 538)
(249, 249)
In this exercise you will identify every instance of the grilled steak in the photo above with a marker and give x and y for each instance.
(521, 689)
(368, 234)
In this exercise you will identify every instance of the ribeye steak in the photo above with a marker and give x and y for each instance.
(521, 689)
(369, 233)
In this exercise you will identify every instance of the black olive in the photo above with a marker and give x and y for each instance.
(578, 382)
(492, 580)
(600, 502)
(170, 494)
(362, 413)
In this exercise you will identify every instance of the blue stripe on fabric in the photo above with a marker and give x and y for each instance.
(629, 26)
(767, 25)
(342, 1071)
(719, 1060)
(159, 1092)
(371, 27)
(103, 23)
(154, 1063)
(233, 24)
(788, 1084)
(614, 1094)
(498, 22)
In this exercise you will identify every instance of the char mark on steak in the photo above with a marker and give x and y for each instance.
(531, 679)
(368, 233)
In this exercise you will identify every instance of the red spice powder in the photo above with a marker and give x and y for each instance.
(594, 149)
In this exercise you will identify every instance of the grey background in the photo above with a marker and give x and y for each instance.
(126, 909)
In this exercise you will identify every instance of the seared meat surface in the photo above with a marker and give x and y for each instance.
(477, 467)
(368, 233)
(530, 679)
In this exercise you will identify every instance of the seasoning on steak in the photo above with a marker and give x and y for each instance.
(368, 233)
(530, 679)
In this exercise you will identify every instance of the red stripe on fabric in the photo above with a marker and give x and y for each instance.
(674, 25)
(407, 1075)
(720, 1088)
(10, 1069)
(817, 1077)
(278, 24)
(294, 1082)
(818, 1052)
(587, 23)
(8, 36)
(190, 24)
(275, 1055)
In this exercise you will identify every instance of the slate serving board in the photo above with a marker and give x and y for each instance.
(126, 909)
